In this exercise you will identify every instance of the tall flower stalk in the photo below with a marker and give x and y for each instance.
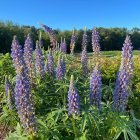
(123, 82)
(96, 46)
(84, 61)
(39, 63)
(73, 99)
(51, 35)
(95, 88)
(24, 101)
(50, 64)
(63, 63)
(17, 54)
(120, 95)
(84, 40)
(72, 44)
(60, 69)
(28, 58)
(63, 47)
(127, 58)
(95, 80)
(23, 98)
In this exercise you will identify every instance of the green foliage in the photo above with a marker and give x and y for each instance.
(50, 100)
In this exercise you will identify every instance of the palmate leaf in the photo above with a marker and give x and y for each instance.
(125, 135)
(83, 123)
(18, 134)
(40, 122)
(132, 135)
(128, 134)
(117, 135)
(123, 127)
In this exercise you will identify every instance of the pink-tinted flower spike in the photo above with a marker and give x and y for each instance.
(72, 44)
(51, 35)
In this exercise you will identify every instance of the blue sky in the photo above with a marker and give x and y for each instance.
(67, 14)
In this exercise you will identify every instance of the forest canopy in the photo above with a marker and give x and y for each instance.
(111, 38)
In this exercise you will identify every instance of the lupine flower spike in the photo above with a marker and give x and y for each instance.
(84, 41)
(60, 69)
(28, 58)
(84, 61)
(96, 47)
(39, 63)
(51, 35)
(63, 63)
(95, 80)
(9, 93)
(73, 99)
(127, 58)
(24, 102)
(17, 54)
(72, 44)
(95, 88)
(50, 64)
(63, 46)
(121, 92)
(123, 82)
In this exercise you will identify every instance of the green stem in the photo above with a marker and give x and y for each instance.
(74, 127)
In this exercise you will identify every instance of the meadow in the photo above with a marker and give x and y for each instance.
(57, 105)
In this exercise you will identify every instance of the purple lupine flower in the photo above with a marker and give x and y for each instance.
(124, 77)
(95, 88)
(73, 99)
(60, 70)
(51, 35)
(127, 58)
(28, 58)
(120, 95)
(63, 47)
(39, 63)
(24, 103)
(50, 64)
(72, 44)
(96, 46)
(63, 63)
(84, 61)
(9, 94)
(84, 41)
(17, 54)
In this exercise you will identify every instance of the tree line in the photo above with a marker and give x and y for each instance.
(111, 38)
